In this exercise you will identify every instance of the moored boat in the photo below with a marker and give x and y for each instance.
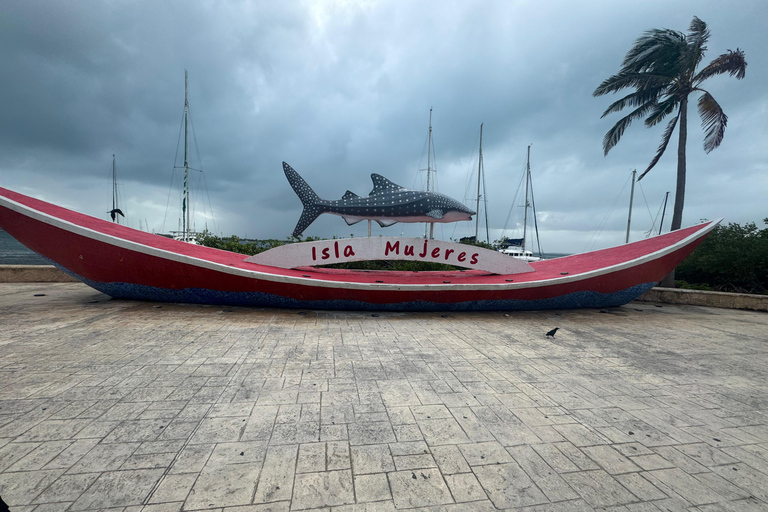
(131, 264)
(515, 247)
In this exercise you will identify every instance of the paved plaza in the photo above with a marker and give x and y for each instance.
(135, 406)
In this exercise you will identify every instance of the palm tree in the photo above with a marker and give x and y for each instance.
(661, 67)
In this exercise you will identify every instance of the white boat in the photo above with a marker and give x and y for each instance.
(520, 253)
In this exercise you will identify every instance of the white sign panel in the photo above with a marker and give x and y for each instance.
(324, 252)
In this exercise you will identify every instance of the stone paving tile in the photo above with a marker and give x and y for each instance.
(599, 489)
(314, 490)
(67, 488)
(173, 489)
(610, 459)
(507, 485)
(419, 461)
(372, 487)
(465, 487)
(653, 461)
(419, 488)
(686, 486)
(371, 432)
(449, 459)
(311, 458)
(192, 458)
(104, 457)
(551, 484)
(223, 486)
(276, 481)
(638, 484)
(479, 454)
(118, 488)
(442, 431)
(22, 488)
(375, 458)
(40, 456)
(122, 406)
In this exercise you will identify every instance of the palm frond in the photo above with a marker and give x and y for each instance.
(713, 121)
(698, 30)
(650, 45)
(635, 99)
(657, 51)
(697, 40)
(661, 110)
(663, 146)
(640, 81)
(734, 63)
(614, 134)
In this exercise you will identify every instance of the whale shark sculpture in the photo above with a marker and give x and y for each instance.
(387, 204)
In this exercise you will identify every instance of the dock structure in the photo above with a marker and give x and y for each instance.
(136, 406)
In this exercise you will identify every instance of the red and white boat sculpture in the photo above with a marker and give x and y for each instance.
(130, 264)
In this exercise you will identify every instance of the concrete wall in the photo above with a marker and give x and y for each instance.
(33, 274)
(702, 298)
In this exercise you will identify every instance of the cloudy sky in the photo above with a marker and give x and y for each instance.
(342, 89)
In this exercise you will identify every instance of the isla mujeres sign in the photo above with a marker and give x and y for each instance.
(324, 252)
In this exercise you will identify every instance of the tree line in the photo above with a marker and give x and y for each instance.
(733, 258)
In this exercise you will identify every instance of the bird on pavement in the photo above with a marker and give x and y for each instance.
(551, 334)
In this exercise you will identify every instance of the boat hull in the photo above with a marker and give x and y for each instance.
(130, 264)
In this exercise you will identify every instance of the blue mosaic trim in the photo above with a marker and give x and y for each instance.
(585, 299)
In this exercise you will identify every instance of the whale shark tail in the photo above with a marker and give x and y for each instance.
(308, 197)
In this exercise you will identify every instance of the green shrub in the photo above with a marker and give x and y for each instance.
(733, 258)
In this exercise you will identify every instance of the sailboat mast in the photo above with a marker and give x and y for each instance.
(527, 186)
(429, 172)
(114, 191)
(479, 171)
(185, 199)
(664, 211)
(631, 198)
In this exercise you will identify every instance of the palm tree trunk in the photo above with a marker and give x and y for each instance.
(677, 216)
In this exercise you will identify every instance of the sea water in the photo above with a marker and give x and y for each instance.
(13, 253)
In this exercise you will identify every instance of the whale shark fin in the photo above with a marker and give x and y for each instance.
(349, 195)
(352, 220)
(382, 184)
(385, 223)
(308, 197)
(435, 214)
(308, 216)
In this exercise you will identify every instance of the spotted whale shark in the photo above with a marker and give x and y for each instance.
(387, 204)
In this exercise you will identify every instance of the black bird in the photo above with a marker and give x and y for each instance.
(551, 334)
(112, 213)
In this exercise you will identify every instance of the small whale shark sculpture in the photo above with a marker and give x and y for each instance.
(387, 204)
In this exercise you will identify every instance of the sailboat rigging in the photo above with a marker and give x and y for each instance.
(516, 247)
(663, 211)
(480, 195)
(481, 176)
(430, 232)
(186, 231)
(631, 200)
(115, 213)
